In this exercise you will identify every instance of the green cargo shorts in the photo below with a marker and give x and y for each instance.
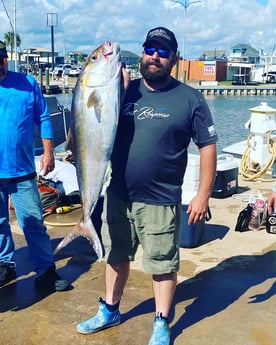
(156, 228)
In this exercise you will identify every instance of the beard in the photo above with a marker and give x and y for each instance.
(159, 75)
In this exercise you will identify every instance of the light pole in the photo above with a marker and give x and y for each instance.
(13, 26)
(185, 4)
(52, 21)
(15, 37)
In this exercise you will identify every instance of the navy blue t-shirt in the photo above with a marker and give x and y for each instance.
(150, 152)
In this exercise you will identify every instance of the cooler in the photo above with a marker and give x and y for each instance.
(192, 173)
(191, 235)
(226, 182)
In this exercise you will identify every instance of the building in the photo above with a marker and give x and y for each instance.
(243, 53)
(200, 70)
(240, 65)
(33, 58)
(242, 60)
(213, 55)
(75, 57)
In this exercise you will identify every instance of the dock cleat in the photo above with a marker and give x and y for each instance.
(161, 332)
(103, 319)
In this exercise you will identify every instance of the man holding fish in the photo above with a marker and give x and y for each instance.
(158, 118)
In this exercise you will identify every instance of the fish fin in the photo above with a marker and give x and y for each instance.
(92, 99)
(95, 101)
(86, 230)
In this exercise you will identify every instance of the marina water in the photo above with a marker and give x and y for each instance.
(230, 113)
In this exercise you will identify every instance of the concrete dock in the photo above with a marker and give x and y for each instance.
(226, 292)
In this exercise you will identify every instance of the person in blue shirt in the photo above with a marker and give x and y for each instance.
(22, 105)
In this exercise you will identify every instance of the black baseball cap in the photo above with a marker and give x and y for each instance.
(163, 36)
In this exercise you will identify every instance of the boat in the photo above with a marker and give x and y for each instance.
(61, 118)
(236, 149)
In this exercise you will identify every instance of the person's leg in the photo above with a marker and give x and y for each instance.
(116, 279)
(28, 211)
(6, 240)
(158, 229)
(108, 314)
(7, 265)
(120, 245)
(121, 242)
(164, 288)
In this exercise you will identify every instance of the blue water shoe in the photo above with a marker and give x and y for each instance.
(161, 332)
(103, 319)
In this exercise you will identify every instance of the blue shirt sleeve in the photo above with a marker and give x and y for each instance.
(42, 115)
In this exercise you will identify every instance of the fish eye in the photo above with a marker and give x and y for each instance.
(93, 57)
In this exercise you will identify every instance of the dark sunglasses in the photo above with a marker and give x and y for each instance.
(163, 53)
(3, 60)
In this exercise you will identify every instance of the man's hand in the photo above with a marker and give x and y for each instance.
(47, 163)
(198, 209)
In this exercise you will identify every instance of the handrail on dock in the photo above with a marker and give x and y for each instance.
(238, 91)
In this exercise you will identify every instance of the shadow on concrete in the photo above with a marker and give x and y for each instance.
(22, 293)
(264, 296)
(243, 189)
(213, 232)
(214, 290)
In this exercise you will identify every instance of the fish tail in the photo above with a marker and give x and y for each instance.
(87, 230)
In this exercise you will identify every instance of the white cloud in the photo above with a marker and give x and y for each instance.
(84, 24)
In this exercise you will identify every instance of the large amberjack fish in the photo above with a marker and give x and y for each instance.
(95, 112)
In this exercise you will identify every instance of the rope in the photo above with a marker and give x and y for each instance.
(250, 173)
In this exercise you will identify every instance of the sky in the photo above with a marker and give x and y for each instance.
(84, 24)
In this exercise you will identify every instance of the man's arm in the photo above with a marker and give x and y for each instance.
(198, 206)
